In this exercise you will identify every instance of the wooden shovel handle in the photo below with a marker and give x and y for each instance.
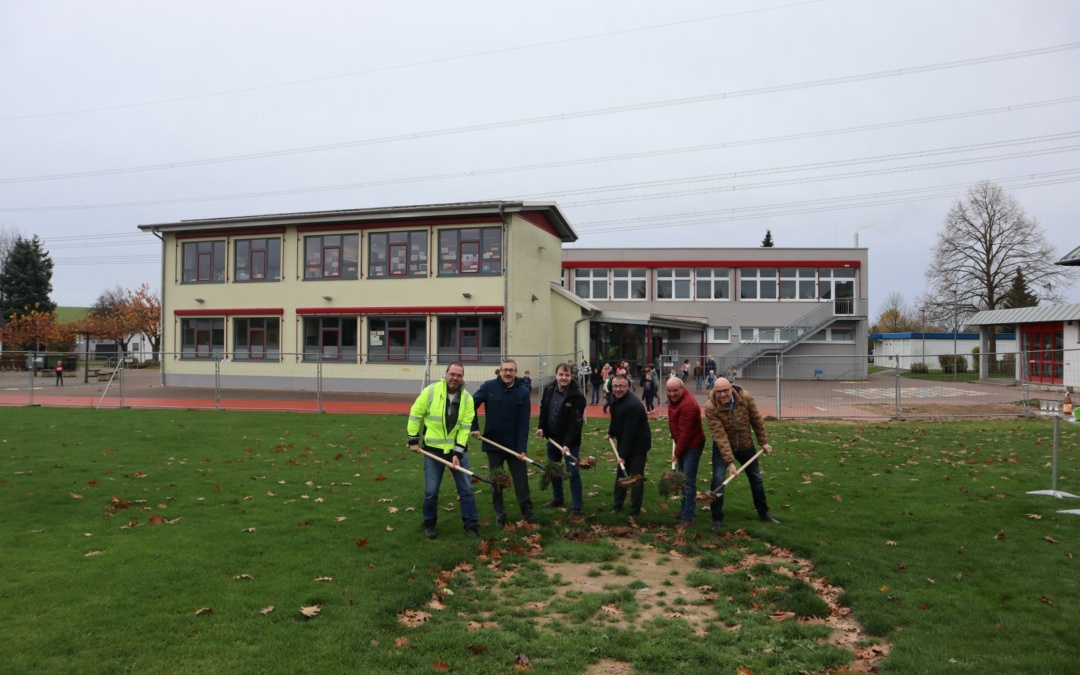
(453, 466)
(741, 468)
(510, 452)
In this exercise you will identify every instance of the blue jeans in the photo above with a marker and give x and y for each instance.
(433, 473)
(688, 464)
(752, 473)
(595, 395)
(554, 454)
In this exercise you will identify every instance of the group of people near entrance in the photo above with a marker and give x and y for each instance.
(444, 416)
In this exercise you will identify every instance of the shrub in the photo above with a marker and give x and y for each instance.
(948, 360)
(920, 368)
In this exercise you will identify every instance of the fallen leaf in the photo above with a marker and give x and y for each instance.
(392, 509)
(891, 543)
(361, 542)
(76, 496)
(1034, 516)
(266, 610)
(838, 498)
(90, 553)
(743, 670)
(1000, 535)
(476, 649)
(312, 611)
(341, 518)
(521, 662)
(782, 616)
(203, 610)
(1050, 539)
(1044, 599)
(440, 665)
(325, 579)
(884, 589)
(380, 477)
(250, 529)
(239, 577)
(401, 641)
(411, 618)
(389, 529)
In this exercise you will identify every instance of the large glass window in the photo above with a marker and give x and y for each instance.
(798, 283)
(202, 338)
(469, 339)
(258, 260)
(204, 262)
(757, 283)
(760, 334)
(330, 338)
(673, 284)
(398, 254)
(591, 284)
(629, 284)
(397, 339)
(332, 256)
(474, 250)
(714, 284)
(256, 339)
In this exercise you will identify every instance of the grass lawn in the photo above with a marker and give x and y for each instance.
(176, 541)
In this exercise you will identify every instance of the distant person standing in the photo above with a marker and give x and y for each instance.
(685, 370)
(507, 407)
(59, 370)
(596, 382)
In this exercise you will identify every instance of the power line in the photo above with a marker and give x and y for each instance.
(809, 84)
(402, 66)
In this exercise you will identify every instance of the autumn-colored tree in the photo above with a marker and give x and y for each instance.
(145, 308)
(37, 330)
(896, 316)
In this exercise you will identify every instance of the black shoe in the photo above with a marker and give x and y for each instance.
(768, 518)
(531, 520)
(718, 526)
(575, 513)
(500, 521)
(554, 504)
(635, 512)
(429, 532)
(472, 532)
(616, 511)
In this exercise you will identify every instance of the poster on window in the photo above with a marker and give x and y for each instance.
(375, 338)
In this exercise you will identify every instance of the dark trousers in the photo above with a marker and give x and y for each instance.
(634, 465)
(519, 473)
(752, 473)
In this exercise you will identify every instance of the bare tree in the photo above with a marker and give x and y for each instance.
(896, 316)
(9, 234)
(986, 239)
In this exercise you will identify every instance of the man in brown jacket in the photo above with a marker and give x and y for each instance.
(734, 420)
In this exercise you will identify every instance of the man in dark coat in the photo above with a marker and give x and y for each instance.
(630, 428)
(507, 407)
(562, 411)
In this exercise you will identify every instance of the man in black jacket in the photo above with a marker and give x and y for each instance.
(630, 428)
(562, 410)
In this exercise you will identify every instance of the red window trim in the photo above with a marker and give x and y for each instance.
(654, 264)
(417, 310)
(255, 311)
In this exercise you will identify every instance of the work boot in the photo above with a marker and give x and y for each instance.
(575, 513)
(429, 532)
(500, 521)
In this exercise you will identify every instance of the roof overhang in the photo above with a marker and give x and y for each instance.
(1002, 317)
(548, 210)
(576, 299)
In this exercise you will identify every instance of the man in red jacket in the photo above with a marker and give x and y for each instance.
(684, 421)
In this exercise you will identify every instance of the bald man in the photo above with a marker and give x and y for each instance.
(734, 421)
(684, 423)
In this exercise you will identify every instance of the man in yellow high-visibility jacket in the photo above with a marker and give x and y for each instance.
(445, 411)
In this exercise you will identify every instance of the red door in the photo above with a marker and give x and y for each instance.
(1043, 344)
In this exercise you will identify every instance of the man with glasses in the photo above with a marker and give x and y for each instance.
(734, 421)
(684, 422)
(507, 406)
(629, 427)
(444, 412)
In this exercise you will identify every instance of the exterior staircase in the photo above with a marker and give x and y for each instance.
(780, 341)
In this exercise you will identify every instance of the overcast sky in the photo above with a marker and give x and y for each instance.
(674, 124)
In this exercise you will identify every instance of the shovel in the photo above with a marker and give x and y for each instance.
(579, 462)
(455, 467)
(512, 453)
(672, 482)
(706, 497)
(627, 481)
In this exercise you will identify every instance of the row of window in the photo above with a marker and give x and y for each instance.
(472, 251)
(466, 338)
(715, 283)
(784, 335)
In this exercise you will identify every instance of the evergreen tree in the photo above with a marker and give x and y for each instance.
(767, 242)
(26, 279)
(1019, 295)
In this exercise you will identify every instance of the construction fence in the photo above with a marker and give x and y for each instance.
(786, 387)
